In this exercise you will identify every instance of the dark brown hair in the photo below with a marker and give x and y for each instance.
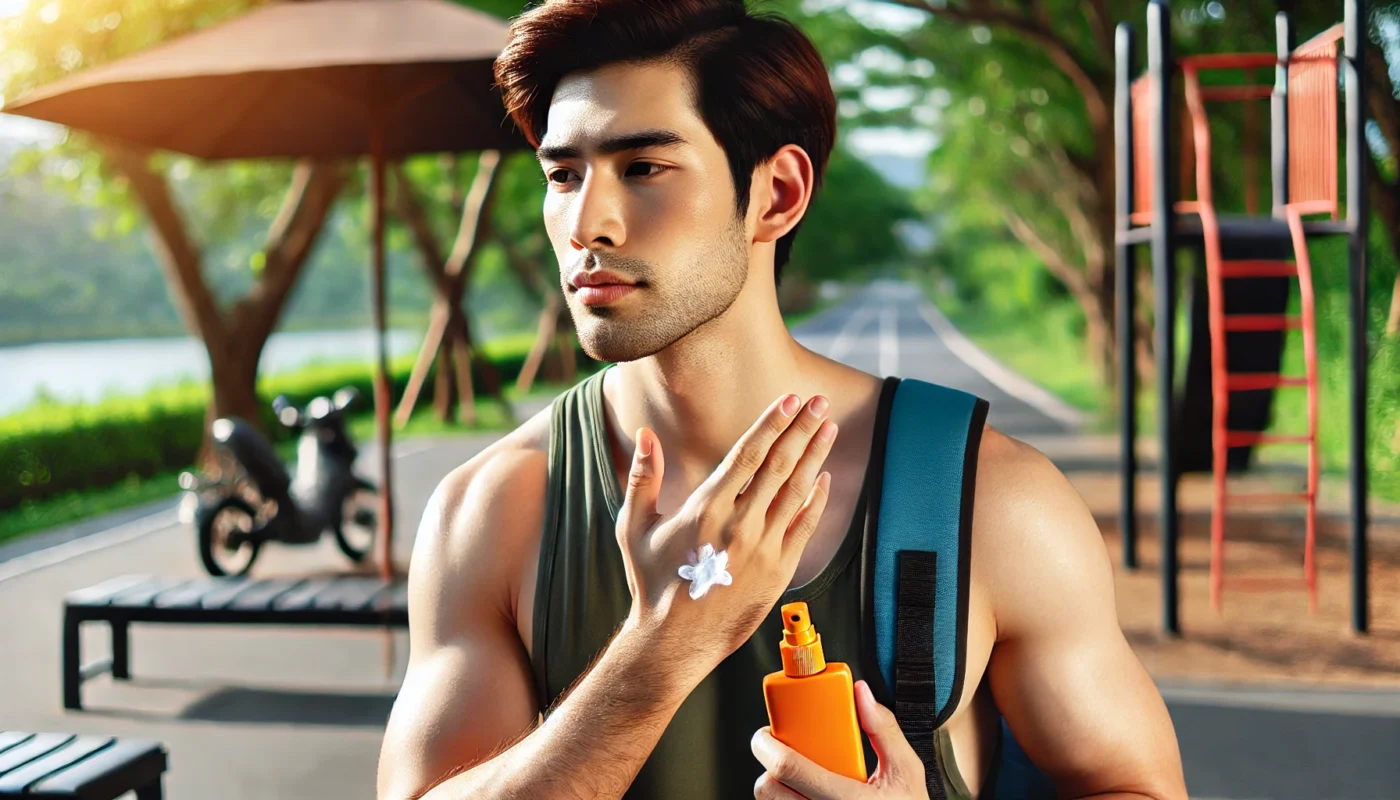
(759, 82)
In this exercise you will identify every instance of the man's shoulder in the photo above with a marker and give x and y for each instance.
(1033, 535)
(494, 495)
(1014, 477)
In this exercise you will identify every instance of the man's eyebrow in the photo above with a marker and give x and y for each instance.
(614, 145)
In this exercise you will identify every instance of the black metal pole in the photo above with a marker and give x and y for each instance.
(1126, 278)
(1358, 219)
(1159, 61)
(1283, 34)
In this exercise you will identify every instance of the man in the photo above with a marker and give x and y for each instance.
(682, 142)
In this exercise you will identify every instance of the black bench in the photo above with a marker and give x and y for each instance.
(340, 601)
(53, 765)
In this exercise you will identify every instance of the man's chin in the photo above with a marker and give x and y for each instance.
(617, 341)
(613, 352)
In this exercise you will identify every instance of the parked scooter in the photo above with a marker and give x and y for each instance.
(240, 509)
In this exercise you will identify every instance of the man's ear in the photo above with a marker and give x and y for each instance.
(782, 188)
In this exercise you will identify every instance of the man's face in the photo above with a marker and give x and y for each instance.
(640, 209)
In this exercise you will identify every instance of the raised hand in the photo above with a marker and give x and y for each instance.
(758, 508)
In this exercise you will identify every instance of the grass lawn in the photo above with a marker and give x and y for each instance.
(77, 506)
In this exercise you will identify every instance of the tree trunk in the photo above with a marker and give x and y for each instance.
(548, 324)
(451, 275)
(234, 374)
(444, 392)
(234, 339)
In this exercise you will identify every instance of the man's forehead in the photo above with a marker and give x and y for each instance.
(621, 100)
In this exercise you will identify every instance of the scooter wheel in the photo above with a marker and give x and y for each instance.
(359, 523)
(217, 549)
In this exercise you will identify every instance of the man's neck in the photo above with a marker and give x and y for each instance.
(703, 392)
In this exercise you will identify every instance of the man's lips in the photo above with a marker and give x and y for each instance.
(600, 287)
(604, 294)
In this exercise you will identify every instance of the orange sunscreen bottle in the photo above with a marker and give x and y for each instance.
(811, 704)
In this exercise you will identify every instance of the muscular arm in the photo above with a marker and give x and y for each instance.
(1063, 675)
(465, 722)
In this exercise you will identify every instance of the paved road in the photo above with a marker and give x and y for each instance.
(291, 714)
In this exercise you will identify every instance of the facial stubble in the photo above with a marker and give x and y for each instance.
(674, 302)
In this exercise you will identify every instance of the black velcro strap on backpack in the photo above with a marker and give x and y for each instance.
(914, 695)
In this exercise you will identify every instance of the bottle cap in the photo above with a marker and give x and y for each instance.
(801, 647)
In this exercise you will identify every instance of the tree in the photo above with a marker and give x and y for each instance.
(1027, 105)
(204, 206)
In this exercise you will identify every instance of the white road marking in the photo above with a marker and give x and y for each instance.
(889, 343)
(49, 556)
(1001, 376)
(847, 336)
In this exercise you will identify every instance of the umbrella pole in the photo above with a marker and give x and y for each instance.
(381, 365)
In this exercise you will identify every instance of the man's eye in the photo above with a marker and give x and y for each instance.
(650, 169)
(558, 176)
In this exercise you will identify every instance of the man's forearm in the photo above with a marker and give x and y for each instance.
(596, 740)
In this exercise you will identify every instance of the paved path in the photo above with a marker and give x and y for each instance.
(295, 714)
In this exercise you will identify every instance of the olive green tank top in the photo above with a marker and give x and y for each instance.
(582, 597)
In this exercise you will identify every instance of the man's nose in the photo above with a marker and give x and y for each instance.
(597, 214)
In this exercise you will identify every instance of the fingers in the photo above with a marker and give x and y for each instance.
(789, 454)
(799, 773)
(804, 523)
(798, 487)
(751, 451)
(767, 787)
(643, 485)
(896, 756)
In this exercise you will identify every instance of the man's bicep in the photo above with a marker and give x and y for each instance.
(1073, 692)
(469, 686)
(458, 706)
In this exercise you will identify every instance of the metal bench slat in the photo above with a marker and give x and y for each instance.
(142, 595)
(56, 761)
(192, 594)
(10, 739)
(393, 598)
(304, 596)
(102, 593)
(126, 765)
(349, 593)
(40, 744)
(261, 598)
(220, 598)
(368, 601)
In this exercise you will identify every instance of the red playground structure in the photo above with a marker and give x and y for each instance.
(1250, 262)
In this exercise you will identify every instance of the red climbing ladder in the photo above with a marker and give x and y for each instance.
(1312, 189)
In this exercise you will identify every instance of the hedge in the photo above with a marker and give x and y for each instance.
(53, 448)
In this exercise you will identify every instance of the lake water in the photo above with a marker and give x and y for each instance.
(89, 370)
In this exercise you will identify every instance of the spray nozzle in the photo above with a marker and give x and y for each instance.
(801, 646)
(797, 625)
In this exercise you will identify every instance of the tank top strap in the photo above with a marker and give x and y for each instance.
(576, 543)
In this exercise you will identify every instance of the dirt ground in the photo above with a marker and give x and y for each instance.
(1259, 636)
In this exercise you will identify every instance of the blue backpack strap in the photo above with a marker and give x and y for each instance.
(916, 583)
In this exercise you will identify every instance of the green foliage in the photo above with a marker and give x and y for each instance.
(849, 227)
(1329, 260)
(53, 448)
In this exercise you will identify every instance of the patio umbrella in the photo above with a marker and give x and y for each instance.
(318, 78)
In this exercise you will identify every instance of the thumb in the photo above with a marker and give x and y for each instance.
(896, 755)
(643, 481)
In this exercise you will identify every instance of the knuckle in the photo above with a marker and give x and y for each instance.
(780, 462)
(708, 518)
(784, 767)
(748, 459)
